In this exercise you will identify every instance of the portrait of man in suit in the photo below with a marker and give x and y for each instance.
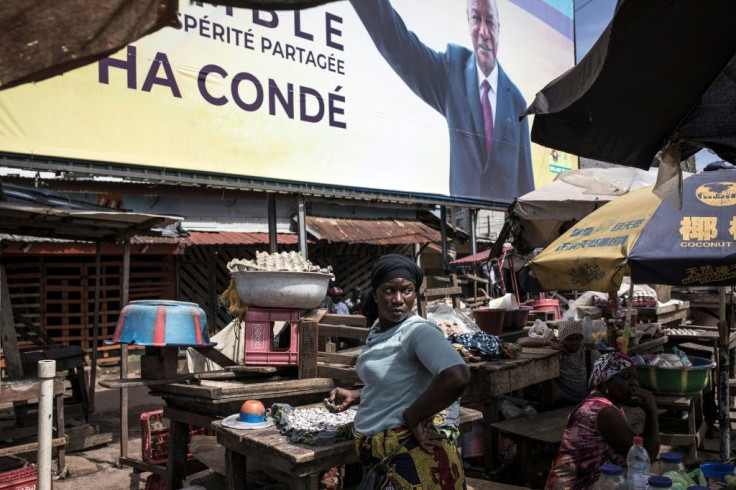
(490, 149)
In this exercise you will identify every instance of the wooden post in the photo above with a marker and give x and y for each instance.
(159, 362)
(723, 369)
(235, 469)
(13, 366)
(308, 343)
(176, 468)
(308, 349)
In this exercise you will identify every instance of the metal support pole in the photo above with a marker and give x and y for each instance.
(46, 373)
(443, 232)
(124, 355)
(302, 224)
(724, 396)
(273, 242)
(473, 238)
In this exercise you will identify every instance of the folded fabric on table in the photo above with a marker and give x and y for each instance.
(486, 345)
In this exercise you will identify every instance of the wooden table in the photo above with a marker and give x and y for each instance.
(25, 389)
(491, 379)
(202, 403)
(303, 462)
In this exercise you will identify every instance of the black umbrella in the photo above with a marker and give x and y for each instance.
(44, 38)
(661, 76)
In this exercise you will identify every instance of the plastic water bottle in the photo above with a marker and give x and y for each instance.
(637, 461)
(587, 329)
(683, 357)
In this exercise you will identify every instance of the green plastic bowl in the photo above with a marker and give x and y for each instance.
(675, 381)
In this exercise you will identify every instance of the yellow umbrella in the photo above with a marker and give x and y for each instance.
(593, 254)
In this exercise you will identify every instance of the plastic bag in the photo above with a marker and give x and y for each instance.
(508, 409)
(450, 320)
(540, 330)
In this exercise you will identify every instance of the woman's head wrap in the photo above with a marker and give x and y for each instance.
(394, 266)
(568, 328)
(608, 366)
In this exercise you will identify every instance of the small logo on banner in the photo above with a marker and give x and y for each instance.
(717, 193)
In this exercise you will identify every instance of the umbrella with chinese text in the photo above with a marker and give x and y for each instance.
(655, 243)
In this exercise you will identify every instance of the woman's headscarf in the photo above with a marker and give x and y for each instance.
(568, 328)
(608, 366)
(391, 266)
(384, 269)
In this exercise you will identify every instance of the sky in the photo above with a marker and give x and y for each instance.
(591, 19)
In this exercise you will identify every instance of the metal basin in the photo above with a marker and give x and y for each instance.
(282, 289)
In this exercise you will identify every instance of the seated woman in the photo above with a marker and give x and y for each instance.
(576, 363)
(410, 373)
(597, 432)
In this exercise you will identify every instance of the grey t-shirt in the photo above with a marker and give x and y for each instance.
(396, 366)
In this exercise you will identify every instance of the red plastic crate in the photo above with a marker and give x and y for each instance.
(259, 337)
(155, 437)
(156, 482)
(25, 478)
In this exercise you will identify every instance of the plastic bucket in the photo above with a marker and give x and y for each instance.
(490, 320)
(516, 319)
(548, 305)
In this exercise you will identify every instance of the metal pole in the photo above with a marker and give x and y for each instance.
(302, 224)
(124, 355)
(724, 397)
(47, 373)
(95, 336)
(473, 238)
(443, 232)
(273, 241)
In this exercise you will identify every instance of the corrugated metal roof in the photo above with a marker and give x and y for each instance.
(236, 238)
(372, 232)
(479, 257)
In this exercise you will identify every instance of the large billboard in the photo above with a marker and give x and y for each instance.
(369, 94)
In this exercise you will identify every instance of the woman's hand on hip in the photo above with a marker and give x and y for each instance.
(427, 437)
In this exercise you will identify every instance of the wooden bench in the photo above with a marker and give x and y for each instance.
(547, 428)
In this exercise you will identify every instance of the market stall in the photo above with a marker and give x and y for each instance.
(37, 212)
(655, 243)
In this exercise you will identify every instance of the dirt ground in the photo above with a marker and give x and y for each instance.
(96, 468)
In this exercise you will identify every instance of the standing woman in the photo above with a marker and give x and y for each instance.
(410, 374)
(597, 431)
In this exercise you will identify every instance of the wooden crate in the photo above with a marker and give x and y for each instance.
(57, 294)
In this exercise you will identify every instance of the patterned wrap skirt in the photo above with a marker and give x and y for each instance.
(411, 467)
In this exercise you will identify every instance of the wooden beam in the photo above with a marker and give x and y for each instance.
(30, 447)
(343, 331)
(352, 320)
(25, 389)
(430, 293)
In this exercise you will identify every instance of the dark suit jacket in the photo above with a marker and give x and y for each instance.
(449, 83)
